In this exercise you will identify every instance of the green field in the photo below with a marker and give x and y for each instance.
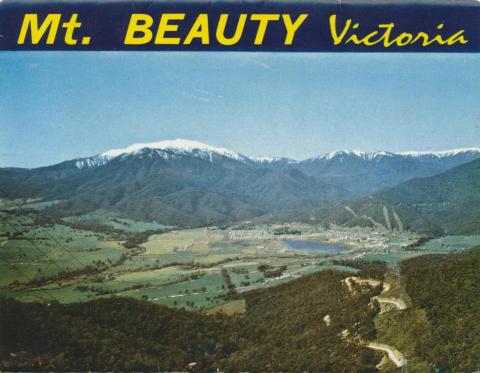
(30, 251)
(85, 257)
(451, 243)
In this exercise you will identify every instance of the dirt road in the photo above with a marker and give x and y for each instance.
(397, 302)
(393, 354)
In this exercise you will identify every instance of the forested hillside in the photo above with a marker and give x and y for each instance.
(450, 200)
(282, 330)
(447, 288)
(448, 203)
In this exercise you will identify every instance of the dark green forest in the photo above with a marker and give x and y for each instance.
(283, 329)
(448, 289)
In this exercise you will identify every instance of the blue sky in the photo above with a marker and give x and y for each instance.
(58, 105)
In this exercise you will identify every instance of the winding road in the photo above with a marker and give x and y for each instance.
(393, 354)
(397, 302)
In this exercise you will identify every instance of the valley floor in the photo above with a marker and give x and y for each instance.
(228, 271)
(91, 256)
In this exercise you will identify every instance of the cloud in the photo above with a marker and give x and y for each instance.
(254, 59)
(262, 64)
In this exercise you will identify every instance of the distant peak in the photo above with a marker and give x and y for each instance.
(442, 153)
(272, 159)
(337, 153)
(178, 145)
(373, 155)
(356, 153)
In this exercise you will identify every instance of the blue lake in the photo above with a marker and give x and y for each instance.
(317, 246)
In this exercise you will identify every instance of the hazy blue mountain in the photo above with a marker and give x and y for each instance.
(187, 183)
(364, 173)
(450, 200)
(448, 203)
(177, 183)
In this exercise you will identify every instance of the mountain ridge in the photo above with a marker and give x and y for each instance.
(446, 203)
(182, 146)
(188, 183)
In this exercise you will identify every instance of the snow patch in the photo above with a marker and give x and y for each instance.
(95, 161)
(356, 153)
(176, 146)
(266, 159)
(441, 154)
(272, 160)
(370, 156)
(170, 149)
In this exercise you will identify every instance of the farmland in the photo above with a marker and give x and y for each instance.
(98, 255)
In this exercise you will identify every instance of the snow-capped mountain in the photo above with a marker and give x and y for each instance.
(168, 149)
(364, 173)
(173, 149)
(189, 183)
(369, 156)
(178, 147)
(352, 153)
(358, 171)
(442, 154)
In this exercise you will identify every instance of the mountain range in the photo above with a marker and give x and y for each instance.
(447, 203)
(187, 183)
